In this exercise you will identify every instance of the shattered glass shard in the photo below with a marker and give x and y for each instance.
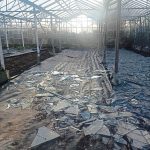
(61, 105)
(44, 135)
(94, 127)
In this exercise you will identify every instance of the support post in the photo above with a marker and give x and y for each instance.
(52, 39)
(130, 28)
(102, 41)
(105, 35)
(140, 30)
(6, 34)
(1, 56)
(76, 27)
(37, 39)
(59, 36)
(22, 36)
(118, 19)
(99, 34)
(66, 33)
(134, 35)
(146, 30)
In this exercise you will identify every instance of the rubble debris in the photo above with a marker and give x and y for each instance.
(95, 77)
(92, 108)
(115, 115)
(125, 128)
(79, 103)
(44, 95)
(74, 85)
(48, 108)
(87, 122)
(56, 73)
(140, 145)
(72, 110)
(134, 102)
(93, 128)
(14, 103)
(107, 108)
(78, 79)
(8, 106)
(104, 131)
(119, 139)
(140, 138)
(26, 104)
(23, 103)
(44, 135)
(116, 147)
(64, 78)
(65, 121)
(85, 115)
(111, 122)
(105, 140)
(75, 76)
(61, 105)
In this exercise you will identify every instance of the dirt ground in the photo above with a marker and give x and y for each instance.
(19, 63)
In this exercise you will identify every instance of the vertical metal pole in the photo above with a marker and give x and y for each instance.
(63, 31)
(87, 24)
(145, 33)
(6, 34)
(6, 5)
(148, 33)
(92, 25)
(59, 37)
(105, 35)
(22, 36)
(130, 27)
(76, 27)
(102, 36)
(141, 30)
(51, 20)
(134, 35)
(146, 30)
(71, 28)
(52, 39)
(118, 19)
(1, 56)
(66, 32)
(37, 38)
(98, 25)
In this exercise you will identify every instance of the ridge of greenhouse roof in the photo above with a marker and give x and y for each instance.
(68, 9)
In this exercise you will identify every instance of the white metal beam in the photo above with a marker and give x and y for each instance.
(37, 38)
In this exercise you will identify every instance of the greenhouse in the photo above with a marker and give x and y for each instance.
(75, 74)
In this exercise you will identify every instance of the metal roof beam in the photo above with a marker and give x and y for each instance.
(13, 17)
(39, 8)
